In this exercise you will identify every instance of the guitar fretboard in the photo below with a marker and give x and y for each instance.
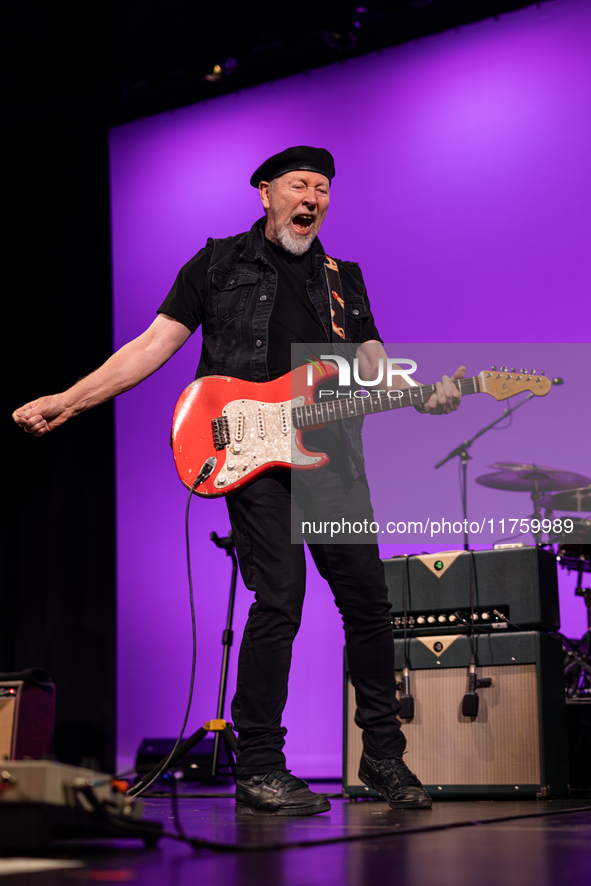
(367, 403)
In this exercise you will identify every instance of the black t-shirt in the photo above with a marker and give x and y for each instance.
(294, 319)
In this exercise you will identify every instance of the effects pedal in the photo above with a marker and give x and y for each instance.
(41, 801)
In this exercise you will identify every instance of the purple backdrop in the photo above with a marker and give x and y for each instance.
(462, 189)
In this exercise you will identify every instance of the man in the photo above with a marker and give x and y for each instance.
(254, 295)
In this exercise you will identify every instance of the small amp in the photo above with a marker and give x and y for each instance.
(27, 716)
(520, 583)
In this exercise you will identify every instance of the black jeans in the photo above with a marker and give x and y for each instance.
(274, 568)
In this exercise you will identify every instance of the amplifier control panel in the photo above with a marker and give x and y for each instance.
(460, 621)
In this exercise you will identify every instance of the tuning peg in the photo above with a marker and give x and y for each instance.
(532, 372)
(513, 370)
(543, 372)
(524, 371)
(503, 369)
(494, 368)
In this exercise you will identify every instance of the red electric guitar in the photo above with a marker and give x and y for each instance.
(226, 432)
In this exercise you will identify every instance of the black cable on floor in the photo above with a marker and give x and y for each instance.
(163, 795)
(198, 843)
(133, 828)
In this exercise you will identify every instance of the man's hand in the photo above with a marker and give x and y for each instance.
(447, 397)
(43, 415)
(130, 365)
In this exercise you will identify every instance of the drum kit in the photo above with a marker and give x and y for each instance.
(569, 535)
(574, 494)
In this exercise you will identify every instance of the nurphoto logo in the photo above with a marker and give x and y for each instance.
(385, 373)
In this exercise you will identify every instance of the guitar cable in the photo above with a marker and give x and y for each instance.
(407, 702)
(141, 786)
(470, 702)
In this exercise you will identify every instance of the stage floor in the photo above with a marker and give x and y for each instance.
(457, 843)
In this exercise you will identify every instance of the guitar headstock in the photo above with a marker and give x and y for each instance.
(503, 383)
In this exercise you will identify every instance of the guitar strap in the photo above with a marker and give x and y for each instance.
(336, 302)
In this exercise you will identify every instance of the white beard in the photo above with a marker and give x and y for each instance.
(297, 244)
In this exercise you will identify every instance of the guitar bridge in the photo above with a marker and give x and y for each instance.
(221, 432)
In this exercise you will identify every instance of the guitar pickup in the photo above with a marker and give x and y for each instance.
(285, 424)
(221, 432)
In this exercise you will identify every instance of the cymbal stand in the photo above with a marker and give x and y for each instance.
(585, 593)
(537, 515)
(461, 452)
(578, 659)
(580, 564)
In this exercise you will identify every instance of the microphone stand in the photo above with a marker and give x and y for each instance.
(462, 452)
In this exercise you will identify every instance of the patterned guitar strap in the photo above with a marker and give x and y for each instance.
(336, 303)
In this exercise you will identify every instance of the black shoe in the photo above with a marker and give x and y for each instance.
(395, 782)
(277, 793)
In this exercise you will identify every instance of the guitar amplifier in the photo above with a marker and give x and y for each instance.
(521, 583)
(27, 714)
(516, 746)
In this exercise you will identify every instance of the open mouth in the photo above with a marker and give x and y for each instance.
(303, 223)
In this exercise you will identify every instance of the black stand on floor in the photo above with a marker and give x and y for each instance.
(227, 637)
(221, 729)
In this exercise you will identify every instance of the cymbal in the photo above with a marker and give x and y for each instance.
(547, 479)
(517, 466)
(572, 500)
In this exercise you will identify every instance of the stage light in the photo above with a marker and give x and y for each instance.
(225, 69)
(216, 74)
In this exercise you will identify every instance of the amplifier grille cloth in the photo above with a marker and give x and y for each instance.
(7, 710)
(501, 746)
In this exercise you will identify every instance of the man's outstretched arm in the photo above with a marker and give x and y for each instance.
(129, 366)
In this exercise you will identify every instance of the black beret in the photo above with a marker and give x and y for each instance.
(303, 157)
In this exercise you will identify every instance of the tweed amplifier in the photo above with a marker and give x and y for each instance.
(516, 746)
(27, 712)
(521, 583)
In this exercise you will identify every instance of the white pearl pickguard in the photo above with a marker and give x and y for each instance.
(260, 433)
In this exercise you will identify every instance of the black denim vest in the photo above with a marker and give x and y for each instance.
(239, 295)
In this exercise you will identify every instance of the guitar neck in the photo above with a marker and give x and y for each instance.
(315, 414)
